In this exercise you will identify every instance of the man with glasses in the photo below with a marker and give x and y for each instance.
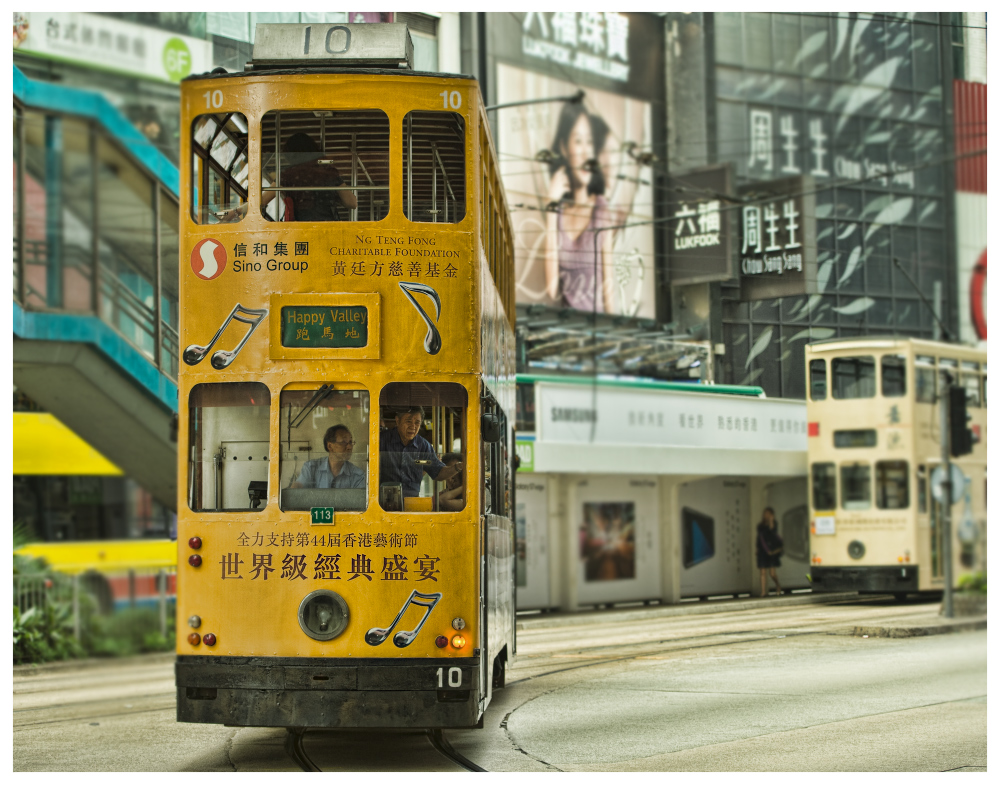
(334, 471)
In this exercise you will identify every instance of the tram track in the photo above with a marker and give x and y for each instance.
(296, 750)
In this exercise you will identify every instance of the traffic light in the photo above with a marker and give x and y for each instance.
(958, 419)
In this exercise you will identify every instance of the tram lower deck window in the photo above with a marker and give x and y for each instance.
(824, 486)
(434, 167)
(219, 168)
(855, 486)
(422, 455)
(324, 432)
(229, 440)
(892, 485)
(332, 165)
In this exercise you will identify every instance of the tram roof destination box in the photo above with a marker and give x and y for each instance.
(385, 45)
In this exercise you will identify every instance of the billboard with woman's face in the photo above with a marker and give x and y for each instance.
(575, 184)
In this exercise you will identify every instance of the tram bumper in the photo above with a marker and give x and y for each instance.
(328, 692)
(865, 579)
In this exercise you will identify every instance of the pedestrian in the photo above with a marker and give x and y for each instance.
(769, 546)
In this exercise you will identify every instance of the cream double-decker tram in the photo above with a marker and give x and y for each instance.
(874, 442)
(345, 453)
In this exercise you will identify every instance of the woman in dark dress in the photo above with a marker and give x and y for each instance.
(769, 546)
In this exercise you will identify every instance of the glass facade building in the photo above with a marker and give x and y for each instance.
(859, 103)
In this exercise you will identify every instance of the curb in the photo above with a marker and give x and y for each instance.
(28, 669)
(571, 619)
(908, 631)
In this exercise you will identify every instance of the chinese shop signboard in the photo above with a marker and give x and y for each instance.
(700, 236)
(777, 241)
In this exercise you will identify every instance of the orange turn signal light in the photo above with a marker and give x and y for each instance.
(458, 642)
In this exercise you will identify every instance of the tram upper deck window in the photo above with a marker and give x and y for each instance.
(422, 456)
(855, 486)
(854, 377)
(219, 168)
(324, 447)
(925, 375)
(434, 167)
(892, 485)
(893, 375)
(229, 441)
(332, 165)
(824, 483)
(817, 379)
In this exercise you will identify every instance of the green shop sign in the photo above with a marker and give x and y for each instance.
(525, 450)
(329, 327)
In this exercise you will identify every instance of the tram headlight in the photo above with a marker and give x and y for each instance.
(194, 621)
(323, 615)
(855, 549)
(458, 623)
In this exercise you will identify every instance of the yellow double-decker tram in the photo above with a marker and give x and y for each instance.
(875, 441)
(346, 393)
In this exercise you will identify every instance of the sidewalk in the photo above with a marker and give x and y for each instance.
(900, 625)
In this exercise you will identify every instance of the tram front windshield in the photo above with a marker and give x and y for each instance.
(324, 448)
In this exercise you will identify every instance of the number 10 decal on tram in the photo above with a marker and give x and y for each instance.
(346, 458)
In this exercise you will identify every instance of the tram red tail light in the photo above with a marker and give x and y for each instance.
(441, 641)
(458, 642)
(194, 639)
(194, 560)
(209, 639)
(194, 543)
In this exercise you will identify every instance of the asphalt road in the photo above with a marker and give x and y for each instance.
(757, 686)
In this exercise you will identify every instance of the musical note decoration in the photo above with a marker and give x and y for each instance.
(432, 341)
(405, 638)
(194, 354)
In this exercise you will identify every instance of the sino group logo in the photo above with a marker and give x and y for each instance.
(208, 259)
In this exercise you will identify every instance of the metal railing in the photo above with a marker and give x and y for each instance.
(40, 590)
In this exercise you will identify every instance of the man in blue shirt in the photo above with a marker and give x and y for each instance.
(406, 456)
(334, 471)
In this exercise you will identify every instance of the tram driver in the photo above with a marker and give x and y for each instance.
(406, 456)
(335, 471)
(304, 169)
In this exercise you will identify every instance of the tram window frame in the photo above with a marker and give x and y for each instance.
(226, 393)
(817, 379)
(316, 401)
(883, 484)
(921, 489)
(972, 383)
(340, 151)
(893, 382)
(823, 477)
(208, 168)
(925, 380)
(447, 429)
(849, 386)
(855, 476)
(452, 181)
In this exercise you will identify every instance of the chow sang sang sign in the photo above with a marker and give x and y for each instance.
(777, 239)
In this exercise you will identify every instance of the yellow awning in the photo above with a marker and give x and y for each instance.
(44, 446)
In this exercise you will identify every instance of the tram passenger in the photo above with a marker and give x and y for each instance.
(302, 170)
(406, 456)
(335, 471)
(453, 497)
